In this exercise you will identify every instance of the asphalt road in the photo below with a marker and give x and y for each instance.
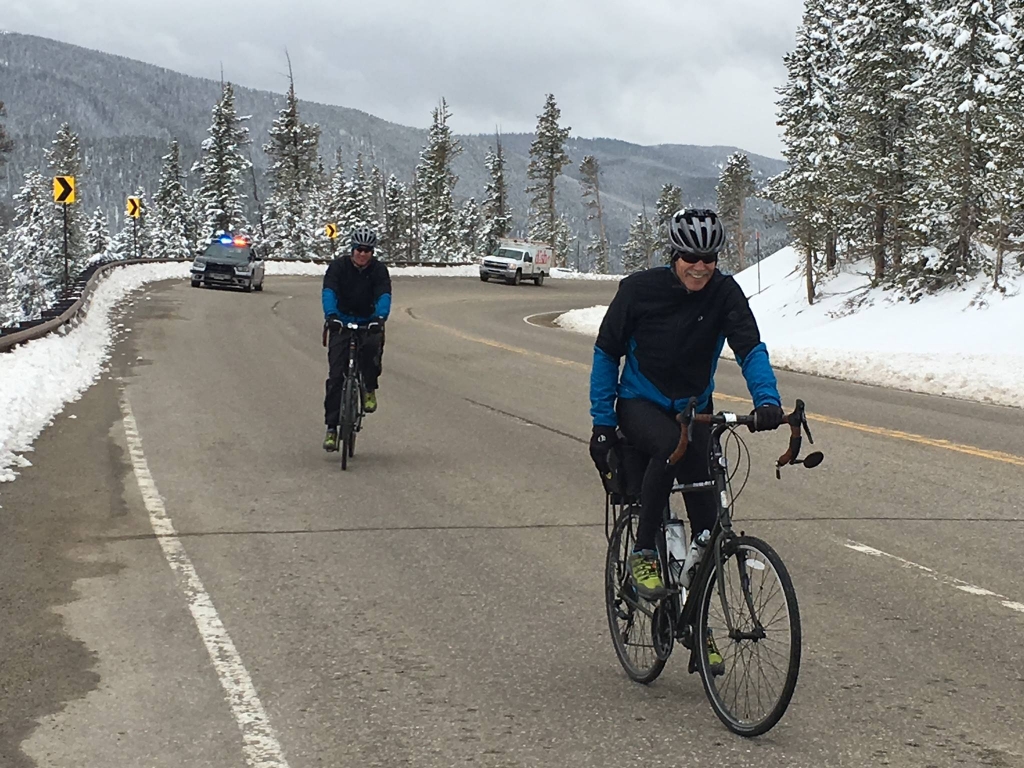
(441, 603)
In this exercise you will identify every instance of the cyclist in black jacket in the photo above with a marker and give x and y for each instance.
(670, 324)
(357, 289)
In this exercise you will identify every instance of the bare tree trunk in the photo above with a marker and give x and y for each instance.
(600, 226)
(831, 244)
(878, 247)
(741, 246)
(809, 264)
(1000, 249)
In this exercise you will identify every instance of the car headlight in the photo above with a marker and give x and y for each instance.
(243, 270)
(198, 266)
(510, 266)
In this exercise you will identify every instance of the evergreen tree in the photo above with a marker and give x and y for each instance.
(6, 142)
(1006, 192)
(35, 275)
(335, 198)
(735, 185)
(809, 109)
(639, 249)
(496, 211)
(293, 151)
(963, 105)
(669, 202)
(170, 214)
(435, 184)
(97, 237)
(65, 159)
(590, 172)
(396, 229)
(470, 228)
(879, 118)
(547, 159)
(222, 169)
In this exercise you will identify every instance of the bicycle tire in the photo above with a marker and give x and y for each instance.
(739, 611)
(616, 579)
(347, 421)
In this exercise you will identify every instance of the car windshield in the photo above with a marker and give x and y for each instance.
(223, 252)
(508, 253)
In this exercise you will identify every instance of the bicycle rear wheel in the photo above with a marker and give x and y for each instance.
(762, 653)
(640, 653)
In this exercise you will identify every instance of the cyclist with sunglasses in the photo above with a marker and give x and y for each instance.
(670, 324)
(357, 289)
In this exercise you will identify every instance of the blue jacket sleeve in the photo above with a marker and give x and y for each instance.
(383, 306)
(604, 380)
(760, 378)
(330, 302)
(745, 339)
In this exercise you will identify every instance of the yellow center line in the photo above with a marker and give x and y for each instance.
(895, 434)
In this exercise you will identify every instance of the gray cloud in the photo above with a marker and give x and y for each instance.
(650, 71)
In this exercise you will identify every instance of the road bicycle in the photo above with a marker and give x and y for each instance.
(739, 597)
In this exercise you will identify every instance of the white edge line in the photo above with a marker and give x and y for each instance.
(528, 318)
(260, 744)
(963, 586)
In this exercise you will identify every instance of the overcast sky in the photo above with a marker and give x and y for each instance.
(647, 71)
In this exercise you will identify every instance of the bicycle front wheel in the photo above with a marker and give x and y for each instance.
(349, 393)
(752, 687)
(632, 621)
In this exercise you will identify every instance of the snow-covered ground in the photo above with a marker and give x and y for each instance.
(965, 343)
(39, 378)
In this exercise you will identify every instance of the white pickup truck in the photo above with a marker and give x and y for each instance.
(516, 260)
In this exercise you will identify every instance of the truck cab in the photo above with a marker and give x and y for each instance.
(516, 260)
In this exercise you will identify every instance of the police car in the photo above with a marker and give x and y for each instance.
(230, 261)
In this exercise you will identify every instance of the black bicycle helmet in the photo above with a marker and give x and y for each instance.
(696, 230)
(363, 236)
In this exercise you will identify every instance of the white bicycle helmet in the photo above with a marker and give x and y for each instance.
(696, 231)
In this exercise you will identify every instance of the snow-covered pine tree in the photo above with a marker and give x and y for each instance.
(359, 195)
(469, 226)
(669, 202)
(639, 249)
(435, 185)
(222, 169)
(590, 181)
(97, 237)
(35, 276)
(963, 100)
(293, 153)
(65, 159)
(396, 226)
(170, 210)
(334, 200)
(1006, 192)
(547, 159)
(809, 109)
(735, 185)
(377, 186)
(496, 211)
(879, 117)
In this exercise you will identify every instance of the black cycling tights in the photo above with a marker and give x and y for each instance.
(655, 433)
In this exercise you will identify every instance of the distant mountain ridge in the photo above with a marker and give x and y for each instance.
(126, 111)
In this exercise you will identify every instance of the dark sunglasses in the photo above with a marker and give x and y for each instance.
(693, 258)
(362, 249)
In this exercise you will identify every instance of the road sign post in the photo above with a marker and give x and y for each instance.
(331, 230)
(64, 194)
(135, 211)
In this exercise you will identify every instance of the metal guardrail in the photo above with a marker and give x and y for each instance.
(71, 304)
(68, 306)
